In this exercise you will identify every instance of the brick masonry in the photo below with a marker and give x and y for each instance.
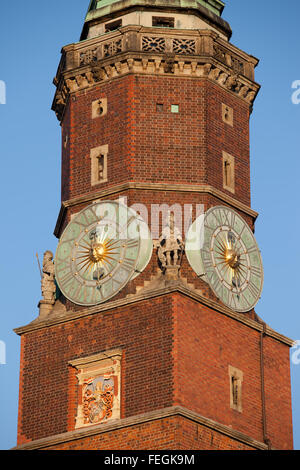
(174, 433)
(149, 145)
(175, 352)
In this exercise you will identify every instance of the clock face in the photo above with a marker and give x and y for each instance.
(221, 247)
(103, 247)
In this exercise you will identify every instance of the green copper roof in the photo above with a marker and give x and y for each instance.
(100, 8)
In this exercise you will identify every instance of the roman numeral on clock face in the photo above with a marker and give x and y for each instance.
(255, 271)
(127, 264)
(253, 289)
(227, 260)
(67, 278)
(94, 240)
(227, 217)
(132, 243)
(252, 249)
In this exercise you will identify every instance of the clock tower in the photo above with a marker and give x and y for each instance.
(147, 335)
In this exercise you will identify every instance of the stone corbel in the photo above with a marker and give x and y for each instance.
(79, 80)
(238, 87)
(181, 66)
(157, 64)
(89, 77)
(60, 98)
(118, 67)
(231, 82)
(206, 69)
(194, 65)
(145, 64)
(222, 78)
(97, 73)
(71, 85)
(214, 73)
(169, 63)
(65, 91)
(109, 71)
(243, 91)
(130, 64)
(251, 96)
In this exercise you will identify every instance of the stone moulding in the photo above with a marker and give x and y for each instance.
(118, 188)
(174, 411)
(151, 51)
(177, 286)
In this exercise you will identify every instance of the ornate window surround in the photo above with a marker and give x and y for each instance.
(91, 368)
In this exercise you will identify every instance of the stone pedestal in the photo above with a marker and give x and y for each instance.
(172, 273)
(45, 307)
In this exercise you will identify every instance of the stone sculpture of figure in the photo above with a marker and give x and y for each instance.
(48, 282)
(170, 248)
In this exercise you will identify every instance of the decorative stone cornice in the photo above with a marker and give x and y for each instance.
(180, 188)
(174, 411)
(174, 286)
(153, 51)
(83, 361)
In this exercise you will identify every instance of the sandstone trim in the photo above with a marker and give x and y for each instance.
(236, 378)
(229, 172)
(90, 368)
(90, 360)
(151, 51)
(138, 420)
(181, 188)
(175, 287)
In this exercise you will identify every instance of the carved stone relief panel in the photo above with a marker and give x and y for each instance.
(99, 382)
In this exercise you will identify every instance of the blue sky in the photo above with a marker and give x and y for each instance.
(32, 34)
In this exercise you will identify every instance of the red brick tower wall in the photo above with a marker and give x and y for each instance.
(156, 146)
(176, 352)
(177, 343)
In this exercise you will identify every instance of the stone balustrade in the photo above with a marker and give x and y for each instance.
(136, 49)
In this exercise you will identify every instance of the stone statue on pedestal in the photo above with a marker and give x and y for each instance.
(48, 284)
(170, 249)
